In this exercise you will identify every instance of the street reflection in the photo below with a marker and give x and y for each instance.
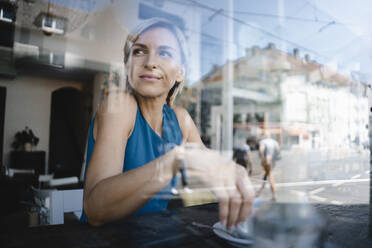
(317, 115)
(297, 73)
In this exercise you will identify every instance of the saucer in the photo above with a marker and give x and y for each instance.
(230, 238)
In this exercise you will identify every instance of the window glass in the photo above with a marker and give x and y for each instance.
(296, 73)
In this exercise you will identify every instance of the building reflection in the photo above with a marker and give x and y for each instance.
(301, 103)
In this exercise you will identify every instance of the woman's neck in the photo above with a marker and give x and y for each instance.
(151, 110)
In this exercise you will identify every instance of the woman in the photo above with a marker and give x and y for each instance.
(268, 148)
(134, 145)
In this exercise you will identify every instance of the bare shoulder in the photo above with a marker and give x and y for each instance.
(189, 130)
(181, 112)
(117, 101)
(117, 107)
(183, 116)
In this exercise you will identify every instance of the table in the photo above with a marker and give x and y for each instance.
(170, 228)
(173, 228)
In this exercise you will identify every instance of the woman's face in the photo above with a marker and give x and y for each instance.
(155, 63)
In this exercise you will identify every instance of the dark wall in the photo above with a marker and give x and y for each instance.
(70, 117)
(2, 118)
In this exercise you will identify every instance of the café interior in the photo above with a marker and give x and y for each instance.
(298, 72)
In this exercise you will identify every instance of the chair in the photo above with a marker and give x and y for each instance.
(54, 203)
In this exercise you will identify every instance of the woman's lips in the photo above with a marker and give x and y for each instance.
(147, 77)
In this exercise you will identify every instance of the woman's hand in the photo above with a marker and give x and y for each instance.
(228, 181)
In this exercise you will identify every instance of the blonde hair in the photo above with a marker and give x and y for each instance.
(148, 25)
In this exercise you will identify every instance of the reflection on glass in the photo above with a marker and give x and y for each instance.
(296, 73)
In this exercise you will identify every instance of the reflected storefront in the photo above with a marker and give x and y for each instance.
(306, 105)
(297, 73)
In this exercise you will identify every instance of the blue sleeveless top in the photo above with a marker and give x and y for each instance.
(143, 146)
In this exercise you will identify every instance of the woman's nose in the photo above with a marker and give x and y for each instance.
(151, 61)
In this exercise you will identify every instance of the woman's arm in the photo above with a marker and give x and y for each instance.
(261, 149)
(110, 194)
(120, 195)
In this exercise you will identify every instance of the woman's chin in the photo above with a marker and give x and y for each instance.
(151, 94)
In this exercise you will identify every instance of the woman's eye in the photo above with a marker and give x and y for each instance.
(165, 54)
(137, 51)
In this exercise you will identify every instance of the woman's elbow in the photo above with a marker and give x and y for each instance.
(92, 216)
(95, 223)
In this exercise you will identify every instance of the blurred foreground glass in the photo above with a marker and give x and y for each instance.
(288, 225)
